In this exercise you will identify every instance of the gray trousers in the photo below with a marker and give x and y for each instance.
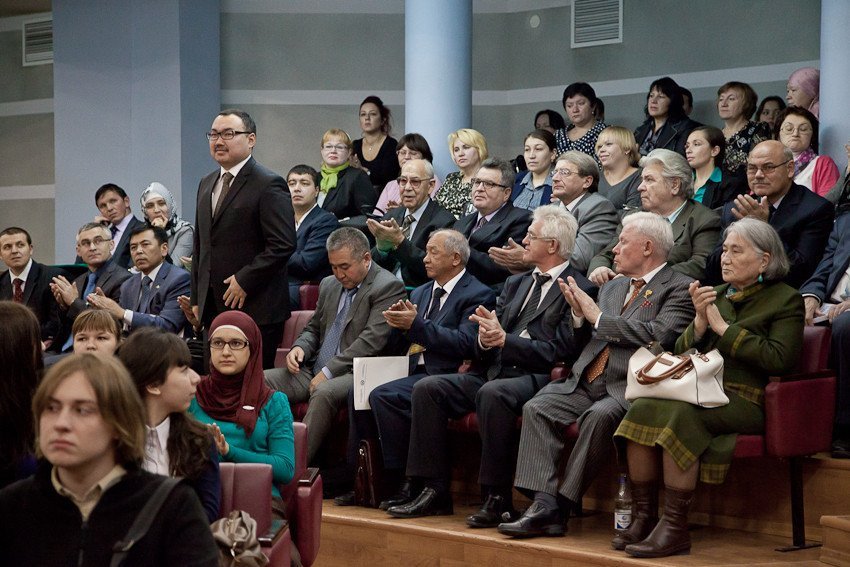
(324, 403)
(542, 441)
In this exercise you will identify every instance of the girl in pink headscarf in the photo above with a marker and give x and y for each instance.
(804, 89)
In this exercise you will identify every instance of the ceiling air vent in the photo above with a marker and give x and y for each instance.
(597, 22)
(38, 41)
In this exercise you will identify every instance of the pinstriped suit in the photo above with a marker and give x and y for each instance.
(659, 313)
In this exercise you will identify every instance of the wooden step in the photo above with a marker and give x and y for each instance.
(836, 540)
(353, 536)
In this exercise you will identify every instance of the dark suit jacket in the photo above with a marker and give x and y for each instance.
(673, 134)
(551, 329)
(109, 280)
(365, 331)
(252, 236)
(309, 262)
(410, 254)
(718, 193)
(660, 313)
(508, 222)
(353, 192)
(121, 254)
(803, 221)
(449, 338)
(38, 297)
(834, 263)
(696, 232)
(162, 309)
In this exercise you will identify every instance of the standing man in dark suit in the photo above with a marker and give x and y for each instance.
(401, 236)
(348, 322)
(667, 189)
(436, 322)
(94, 246)
(802, 219)
(313, 225)
(114, 206)
(28, 282)
(149, 298)
(494, 222)
(516, 348)
(244, 234)
(827, 293)
(651, 303)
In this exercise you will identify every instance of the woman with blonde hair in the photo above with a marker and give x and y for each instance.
(617, 151)
(469, 150)
(344, 191)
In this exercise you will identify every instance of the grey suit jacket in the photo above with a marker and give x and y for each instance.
(365, 331)
(597, 223)
(696, 232)
(660, 313)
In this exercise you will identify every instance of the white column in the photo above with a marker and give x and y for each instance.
(438, 72)
(834, 80)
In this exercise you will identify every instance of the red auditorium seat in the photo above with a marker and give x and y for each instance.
(309, 293)
(291, 329)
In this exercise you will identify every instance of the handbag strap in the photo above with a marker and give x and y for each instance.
(143, 521)
(676, 371)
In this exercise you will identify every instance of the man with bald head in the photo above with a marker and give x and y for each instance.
(802, 219)
(401, 236)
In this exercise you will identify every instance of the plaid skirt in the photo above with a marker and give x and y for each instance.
(690, 433)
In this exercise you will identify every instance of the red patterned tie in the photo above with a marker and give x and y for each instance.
(597, 365)
(18, 293)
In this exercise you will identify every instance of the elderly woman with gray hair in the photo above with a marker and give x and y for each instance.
(756, 322)
(160, 210)
(667, 189)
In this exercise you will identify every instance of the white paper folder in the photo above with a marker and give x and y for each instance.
(371, 372)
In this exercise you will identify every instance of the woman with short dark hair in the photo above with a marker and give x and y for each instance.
(410, 146)
(704, 151)
(374, 152)
(666, 125)
(581, 106)
(797, 129)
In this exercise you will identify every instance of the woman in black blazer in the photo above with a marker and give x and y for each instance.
(666, 125)
(344, 191)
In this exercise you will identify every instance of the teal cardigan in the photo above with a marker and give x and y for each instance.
(273, 440)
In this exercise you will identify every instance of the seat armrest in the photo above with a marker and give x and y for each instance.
(802, 376)
(276, 530)
(309, 477)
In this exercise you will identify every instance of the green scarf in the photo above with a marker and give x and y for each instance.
(330, 177)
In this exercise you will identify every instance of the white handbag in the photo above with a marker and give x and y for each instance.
(691, 377)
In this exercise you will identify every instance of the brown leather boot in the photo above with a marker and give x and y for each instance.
(670, 536)
(644, 515)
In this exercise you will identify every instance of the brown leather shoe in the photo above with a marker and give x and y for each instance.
(644, 515)
(670, 536)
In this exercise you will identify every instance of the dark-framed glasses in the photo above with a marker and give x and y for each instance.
(234, 344)
(414, 182)
(767, 168)
(488, 185)
(212, 135)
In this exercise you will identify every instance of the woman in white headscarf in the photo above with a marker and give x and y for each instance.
(160, 210)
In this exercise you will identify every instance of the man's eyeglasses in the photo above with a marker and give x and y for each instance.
(767, 168)
(488, 185)
(234, 344)
(414, 182)
(96, 241)
(531, 236)
(212, 135)
(563, 172)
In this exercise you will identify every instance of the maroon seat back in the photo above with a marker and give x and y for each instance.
(291, 329)
(248, 487)
(309, 295)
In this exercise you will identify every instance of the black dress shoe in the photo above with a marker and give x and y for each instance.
(494, 512)
(536, 521)
(405, 495)
(346, 499)
(841, 449)
(428, 503)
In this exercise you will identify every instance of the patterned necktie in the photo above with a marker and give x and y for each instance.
(481, 222)
(406, 224)
(597, 365)
(225, 187)
(330, 346)
(18, 292)
(114, 230)
(527, 313)
(438, 294)
(145, 296)
(153, 447)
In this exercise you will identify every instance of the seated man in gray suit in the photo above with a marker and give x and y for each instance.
(575, 181)
(95, 247)
(666, 189)
(651, 303)
(348, 322)
(401, 236)
(516, 348)
(149, 298)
